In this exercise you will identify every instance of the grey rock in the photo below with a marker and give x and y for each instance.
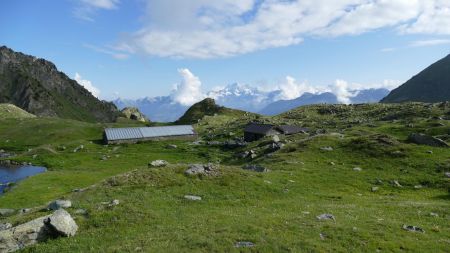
(423, 139)
(357, 169)
(374, 188)
(396, 183)
(200, 169)
(81, 212)
(256, 168)
(244, 245)
(434, 214)
(275, 138)
(193, 197)
(326, 148)
(5, 226)
(58, 204)
(326, 216)
(61, 222)
(419, 186)
(447, 174)
(158, 163)
(7, 212)
(114, 202)
(171, 146)
(413, 229)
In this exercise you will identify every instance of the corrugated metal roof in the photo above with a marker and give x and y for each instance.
(258, 128)
(113, 134)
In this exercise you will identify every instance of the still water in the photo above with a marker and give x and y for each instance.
(15, 174)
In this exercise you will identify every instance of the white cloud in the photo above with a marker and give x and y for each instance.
(85, 9)
(223, 28)
(342, 91)
(87, 85)
(427, 43)
(101, 4)
(189, 90)
(112, 52)
(290, 89)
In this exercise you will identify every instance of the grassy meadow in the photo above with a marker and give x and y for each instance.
(275, 210)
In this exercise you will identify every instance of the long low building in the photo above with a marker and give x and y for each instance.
(136, 134)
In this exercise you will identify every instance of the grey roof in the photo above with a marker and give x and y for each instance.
(113, 134)
(257, 128)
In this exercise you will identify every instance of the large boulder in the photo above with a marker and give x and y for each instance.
(423, 139)
(62, 223)
(133, 113)
(38, 230)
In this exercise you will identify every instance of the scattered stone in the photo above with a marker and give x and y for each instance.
(275, 138)
(192, 197)
(62, 222)
(58, 204)
(172, 146)
(374, 188)
(7, 212)
(434, 214)
(256, 168)
(447, 174)
(326, 148)
(5, 226)
(423, 139)
(78, 148)
(322, 236)
(357, 169)
(332, 163)
(113, 203)
(413, 229)
(326, 216)
(158, 163)
(200, 169)
(396, 183)
(430, 152)
(81, 212)
(419, 186)
(244, 245)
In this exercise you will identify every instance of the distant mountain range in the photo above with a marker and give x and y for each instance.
(363, 96)
(431, 85)
(37, 86)
(246, 98)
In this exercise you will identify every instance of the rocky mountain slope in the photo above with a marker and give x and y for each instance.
(430, 85)
(206, 107)
(37, 86)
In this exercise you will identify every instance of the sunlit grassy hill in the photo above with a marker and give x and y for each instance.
(356, 163)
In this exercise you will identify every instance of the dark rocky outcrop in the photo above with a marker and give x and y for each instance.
(206, 107)
(423, 139)
(431, 85)
(37, 86)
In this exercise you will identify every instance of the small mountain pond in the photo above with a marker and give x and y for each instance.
(15, 174)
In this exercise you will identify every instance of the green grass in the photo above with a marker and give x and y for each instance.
(275, 210)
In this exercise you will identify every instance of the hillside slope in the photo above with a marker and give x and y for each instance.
(37, 86)
(11, 111)
(206, 107)
(430, 85)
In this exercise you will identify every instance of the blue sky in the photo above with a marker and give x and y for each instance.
(135, 48)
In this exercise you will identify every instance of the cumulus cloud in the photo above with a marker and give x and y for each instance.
(87, 85)
(85, 9)
(290, 89)
(222, 28)
(189, 90)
